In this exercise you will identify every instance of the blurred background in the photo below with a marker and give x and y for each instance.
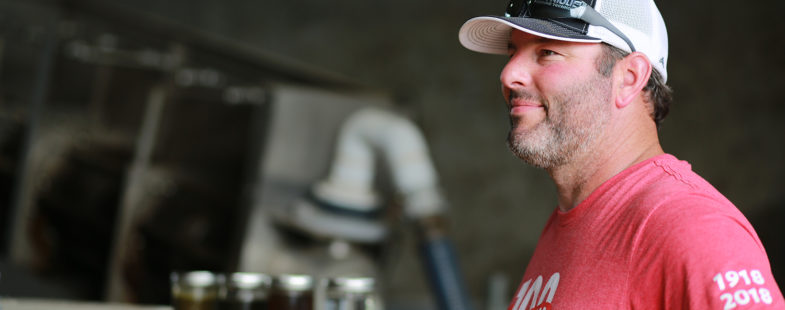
(138, 138)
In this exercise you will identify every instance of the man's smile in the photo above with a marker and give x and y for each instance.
(520, 104)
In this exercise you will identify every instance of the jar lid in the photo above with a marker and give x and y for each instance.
(352, 284)
(196, 278)
(247, 280)
(293, 282)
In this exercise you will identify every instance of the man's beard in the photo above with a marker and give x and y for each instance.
(574, 119)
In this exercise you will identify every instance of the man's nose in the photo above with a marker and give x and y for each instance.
(517, 72)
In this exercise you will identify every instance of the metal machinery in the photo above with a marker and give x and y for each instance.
(381, 173)
(131, 147)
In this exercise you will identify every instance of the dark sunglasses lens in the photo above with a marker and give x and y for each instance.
(515, 8)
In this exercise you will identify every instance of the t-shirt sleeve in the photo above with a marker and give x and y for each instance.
(699, 253)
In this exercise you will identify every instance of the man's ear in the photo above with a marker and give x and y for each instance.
(635, 70)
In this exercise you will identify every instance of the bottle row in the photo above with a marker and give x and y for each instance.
(205, 290)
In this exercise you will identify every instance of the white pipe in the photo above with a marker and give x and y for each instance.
(370, 132)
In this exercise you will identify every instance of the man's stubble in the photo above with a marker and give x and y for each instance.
(574, 119)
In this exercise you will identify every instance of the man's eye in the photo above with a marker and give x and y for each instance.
(547, 53)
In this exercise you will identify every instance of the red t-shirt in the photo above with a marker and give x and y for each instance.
(655, 236)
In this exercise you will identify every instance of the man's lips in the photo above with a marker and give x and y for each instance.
(518, 106)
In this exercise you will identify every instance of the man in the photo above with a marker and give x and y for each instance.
(635, 228)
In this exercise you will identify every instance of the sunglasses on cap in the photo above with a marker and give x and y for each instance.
(576, 9)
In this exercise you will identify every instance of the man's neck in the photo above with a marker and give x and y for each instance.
(576, 180)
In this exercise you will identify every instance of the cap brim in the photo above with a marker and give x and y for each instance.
(491, 34)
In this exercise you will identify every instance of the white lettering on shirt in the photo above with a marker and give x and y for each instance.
(536, 296)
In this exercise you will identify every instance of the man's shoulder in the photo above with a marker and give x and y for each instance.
(666, 180)
(677, 199)
(666, 172)
(668, 199)
(689, 220)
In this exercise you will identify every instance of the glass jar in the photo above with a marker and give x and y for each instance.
(350, 293)
(195, 290)
(244, 291)
(292, 292)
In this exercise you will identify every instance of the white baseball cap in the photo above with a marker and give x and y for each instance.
(631, 25)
